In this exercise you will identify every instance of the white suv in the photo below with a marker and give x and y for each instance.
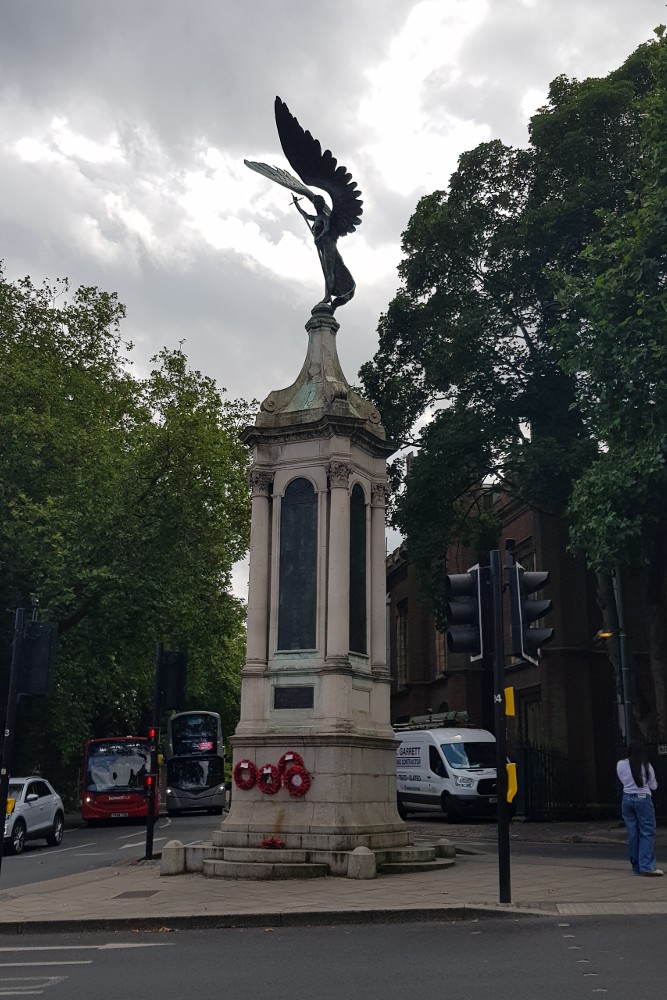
(34, 811)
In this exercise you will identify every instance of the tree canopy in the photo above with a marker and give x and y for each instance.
(123, 507)
(526, 345)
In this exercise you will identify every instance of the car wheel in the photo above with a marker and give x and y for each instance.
(450, 809)
(400, 805)
(17, 839)
(55, 837)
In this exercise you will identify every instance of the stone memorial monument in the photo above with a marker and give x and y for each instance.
(314, 753)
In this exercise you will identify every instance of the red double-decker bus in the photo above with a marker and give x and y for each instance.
(114, 778)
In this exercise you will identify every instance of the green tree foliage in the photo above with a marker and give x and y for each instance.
(613, 339)
(473, 366)
(123, 507)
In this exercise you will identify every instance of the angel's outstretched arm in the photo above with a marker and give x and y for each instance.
(308, 218)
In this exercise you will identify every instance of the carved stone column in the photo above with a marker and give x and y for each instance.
(338, 584)
(258, 586)
(378, 581)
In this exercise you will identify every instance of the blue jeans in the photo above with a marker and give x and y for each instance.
(639, 818)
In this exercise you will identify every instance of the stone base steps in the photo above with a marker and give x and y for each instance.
(402, 867)
(262, 855)
(263, 870)
(259, 863)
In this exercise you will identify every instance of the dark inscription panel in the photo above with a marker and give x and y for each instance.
(358, 571)
(293, 697)
(297, 589)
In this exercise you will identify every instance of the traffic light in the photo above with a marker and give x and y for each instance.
(38, 651)
(526, 640)
(152, 738)
(172, 679)
(465, 612)
(150, 782)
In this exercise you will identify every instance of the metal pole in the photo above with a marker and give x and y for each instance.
(504, 877)
(152, 792)
(10, 719)
(617, 583)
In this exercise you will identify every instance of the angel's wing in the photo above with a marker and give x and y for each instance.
(280, 176)
(321, 170)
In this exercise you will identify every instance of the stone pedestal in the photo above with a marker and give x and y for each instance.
(315, 682)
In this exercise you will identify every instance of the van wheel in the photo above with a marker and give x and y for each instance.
(450, 808)
(400, 805)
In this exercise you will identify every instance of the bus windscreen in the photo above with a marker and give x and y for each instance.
(187, 774)
(116, 766)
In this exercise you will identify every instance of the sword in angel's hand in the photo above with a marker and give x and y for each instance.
(305, 155)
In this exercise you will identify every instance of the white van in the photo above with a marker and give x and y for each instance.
(451, 768)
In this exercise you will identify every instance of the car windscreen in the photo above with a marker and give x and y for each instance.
(15, 789)
(469, 756)
(116, 767)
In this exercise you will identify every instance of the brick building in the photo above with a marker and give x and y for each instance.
(566, 708)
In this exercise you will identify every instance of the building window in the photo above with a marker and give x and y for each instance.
(297, 588)
(358, 630)
(402, 643)
(530, 716)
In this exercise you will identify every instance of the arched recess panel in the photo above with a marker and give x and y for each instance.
(297, 587)
(358, 640)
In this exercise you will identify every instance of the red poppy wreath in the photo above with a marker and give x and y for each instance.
(288, 760)
(245, 775)
(297, 781)
(268, 779)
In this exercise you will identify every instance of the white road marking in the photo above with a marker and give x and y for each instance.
(124, 847)
(90, 947)
(17, 965)
(91, 843)
(31, 988)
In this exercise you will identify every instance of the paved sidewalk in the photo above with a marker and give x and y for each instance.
(135, 896)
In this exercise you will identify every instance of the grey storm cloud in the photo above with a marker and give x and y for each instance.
(190, 69)
(167, 79)
(124, 125)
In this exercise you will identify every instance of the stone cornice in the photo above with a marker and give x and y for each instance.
(327, 426)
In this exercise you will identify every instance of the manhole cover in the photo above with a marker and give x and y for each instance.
(136, 894)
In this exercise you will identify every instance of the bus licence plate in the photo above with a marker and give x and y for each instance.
(493, 799)
(119, 815)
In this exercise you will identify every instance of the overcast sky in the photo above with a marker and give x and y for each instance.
(124, 125)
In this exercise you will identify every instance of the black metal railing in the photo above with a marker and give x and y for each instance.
(549, 784)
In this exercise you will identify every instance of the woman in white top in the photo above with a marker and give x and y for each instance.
(638, 780)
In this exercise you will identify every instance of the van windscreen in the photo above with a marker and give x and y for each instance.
(470, 756)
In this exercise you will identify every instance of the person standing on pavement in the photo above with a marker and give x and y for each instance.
(638, 780)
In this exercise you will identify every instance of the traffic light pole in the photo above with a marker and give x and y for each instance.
(10, 719)
(152, 789)
(504, 877)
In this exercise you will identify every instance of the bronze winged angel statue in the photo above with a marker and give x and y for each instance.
(327, 225)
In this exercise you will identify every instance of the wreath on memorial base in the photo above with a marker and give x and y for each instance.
(268, 779)
(289, 759)
(245, 775)
(297, 780)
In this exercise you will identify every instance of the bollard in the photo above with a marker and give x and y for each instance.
(361, 863)
(172, 861)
